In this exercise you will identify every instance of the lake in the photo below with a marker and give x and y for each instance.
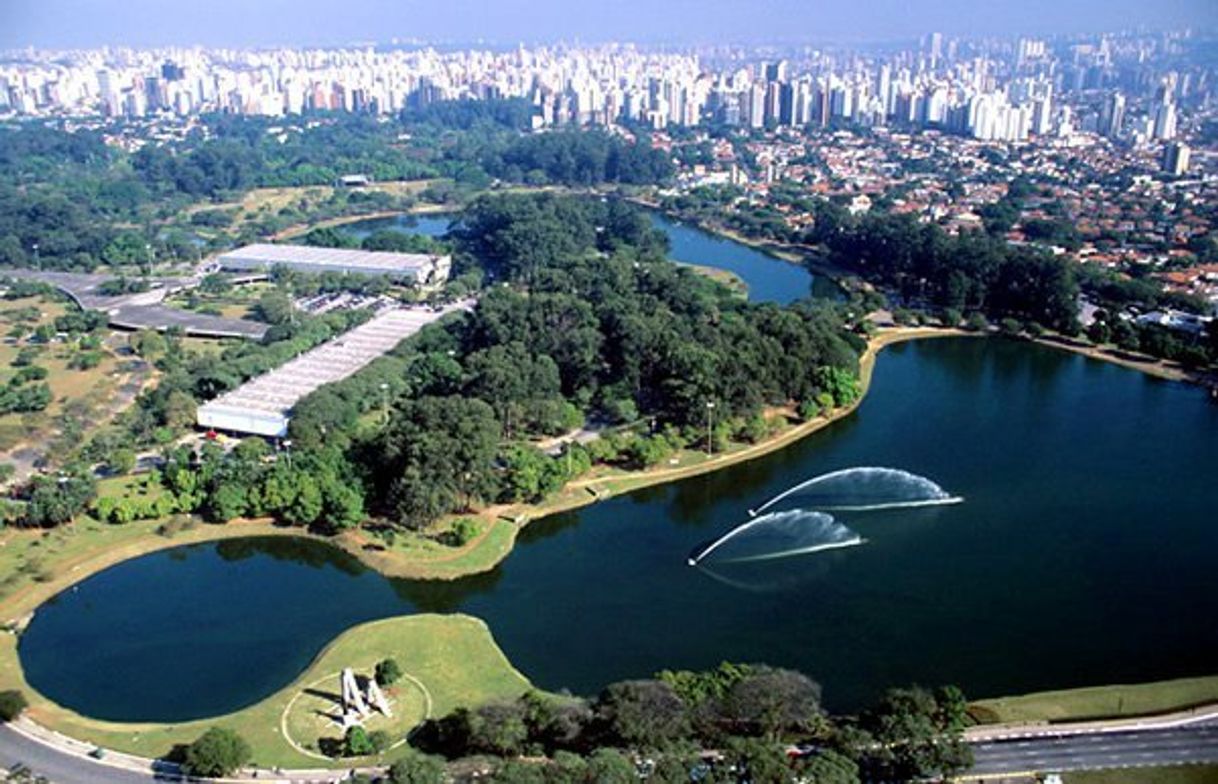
(1083, 554)
(429, 224)
(769, 279)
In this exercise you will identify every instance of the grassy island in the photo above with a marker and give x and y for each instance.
(451, 659)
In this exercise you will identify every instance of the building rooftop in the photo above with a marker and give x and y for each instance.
(263, 405)
(338, 258)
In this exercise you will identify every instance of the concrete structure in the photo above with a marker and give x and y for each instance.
(1176, 158)
(355, 709)
(420, 268)
(143, 309)
(263, 405)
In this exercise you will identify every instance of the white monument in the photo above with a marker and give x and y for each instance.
(355, 701)
(377, 698)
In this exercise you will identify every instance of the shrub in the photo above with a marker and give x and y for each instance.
(808, 409)
(417, 768)
(388, 672)
(217, 753)
(357, 743)
(12, 703)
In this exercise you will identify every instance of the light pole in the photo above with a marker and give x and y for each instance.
(37, 261)
(287, 447)
(710, 427)
(384, 403)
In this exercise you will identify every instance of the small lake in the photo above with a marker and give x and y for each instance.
(769, 279)
(1084, 553)
(429, 224)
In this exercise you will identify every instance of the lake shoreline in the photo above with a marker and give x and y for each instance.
(10, 666)
(20, 605)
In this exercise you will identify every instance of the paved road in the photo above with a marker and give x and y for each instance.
(57, 766)
(1130, 748)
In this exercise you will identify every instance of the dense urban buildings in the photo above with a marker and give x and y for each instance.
(1127, 86)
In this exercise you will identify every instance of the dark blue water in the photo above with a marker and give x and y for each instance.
(1084, 554)
(768, 278)
(431, 224)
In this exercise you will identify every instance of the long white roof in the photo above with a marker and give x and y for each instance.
(339, 258)
(276, 392)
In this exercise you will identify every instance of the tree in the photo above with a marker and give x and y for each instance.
(438, 455)
(768, 701)
(914, 736)
(12, 703)
(520, 772)
(219, 752)
(499, 728)
(643, 713)
(609, 766)
(356, 743)
(388, 672)
(829, 767)
(416, 768)
(121, 461)
(757, 761)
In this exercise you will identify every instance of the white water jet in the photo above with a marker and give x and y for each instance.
(865, 488)
(780, 535)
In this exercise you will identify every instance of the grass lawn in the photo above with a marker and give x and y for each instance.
(1101, 701)
(413, 555)
(1176, 774)
(726, 277)
(84, 391)
(269, 201)
(453, 657)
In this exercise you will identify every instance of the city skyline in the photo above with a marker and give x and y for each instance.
(66, 24)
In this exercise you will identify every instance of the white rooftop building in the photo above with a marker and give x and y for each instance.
(420, 268)
(263, 405)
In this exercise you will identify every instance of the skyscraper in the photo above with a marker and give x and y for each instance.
(1112, 116)
(1175, 158)
(1165, 121)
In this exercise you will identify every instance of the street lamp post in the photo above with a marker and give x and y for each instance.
(37, 261)
(384, 403)
(710, 427)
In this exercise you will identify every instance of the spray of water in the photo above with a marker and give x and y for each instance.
(864, 489)
(778, 535)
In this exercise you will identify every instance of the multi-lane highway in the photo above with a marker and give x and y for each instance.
(1042, 751)
(1129, 748)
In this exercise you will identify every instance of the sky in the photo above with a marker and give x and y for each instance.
(254, 23)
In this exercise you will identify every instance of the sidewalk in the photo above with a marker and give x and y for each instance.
(171, 771)
(1041, 729)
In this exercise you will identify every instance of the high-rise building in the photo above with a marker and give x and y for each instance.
(1165, 121)
(1112, 116)
(936, 49)
(1175, 158)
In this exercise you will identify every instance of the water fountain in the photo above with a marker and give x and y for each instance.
(864, 489)
(808, 528)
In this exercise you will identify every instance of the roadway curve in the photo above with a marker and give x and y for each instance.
(58, 765)
(1170, 743)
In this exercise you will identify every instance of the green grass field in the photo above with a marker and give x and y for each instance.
(453, 657)
(1100, 702)
(417, 556)
(81, 390)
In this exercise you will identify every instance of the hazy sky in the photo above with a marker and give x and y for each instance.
(70, 23)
